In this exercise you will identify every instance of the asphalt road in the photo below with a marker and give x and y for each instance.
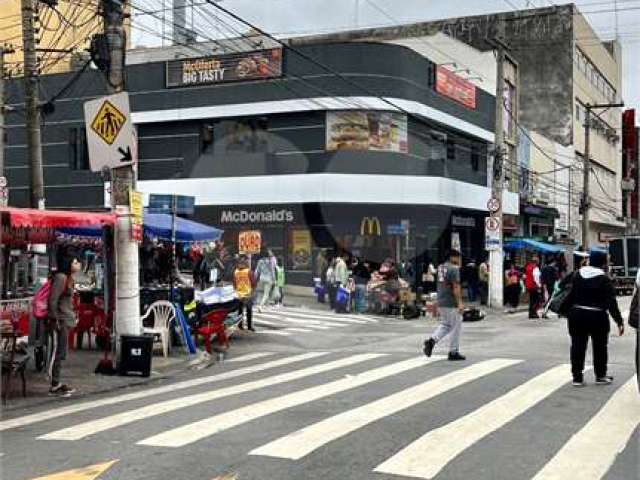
(316, 396)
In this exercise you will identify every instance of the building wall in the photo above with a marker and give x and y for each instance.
(82, 22)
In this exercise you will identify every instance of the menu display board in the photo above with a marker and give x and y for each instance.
(455, 87)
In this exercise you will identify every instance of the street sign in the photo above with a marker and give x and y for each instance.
(136, 204)
(3, 182)
(493, 205)
(492, 228)
(110, 136)
(161, 203)
(250, 242)
(396, 230)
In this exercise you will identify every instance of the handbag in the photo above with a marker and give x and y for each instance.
(634, 311)
(560, 301)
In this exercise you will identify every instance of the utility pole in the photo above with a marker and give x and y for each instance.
(586, 199)
(122, 182)
(4, 50)
(496, 254)
(31, 99)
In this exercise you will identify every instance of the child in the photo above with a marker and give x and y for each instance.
(244, 284)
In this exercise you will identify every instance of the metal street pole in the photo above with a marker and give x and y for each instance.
(32, 112)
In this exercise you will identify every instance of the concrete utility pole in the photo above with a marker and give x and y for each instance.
(32, 112)
(496, 255)
(3, 200)
(122, 181)
(586, 199)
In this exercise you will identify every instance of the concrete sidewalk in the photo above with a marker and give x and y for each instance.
(78, 372)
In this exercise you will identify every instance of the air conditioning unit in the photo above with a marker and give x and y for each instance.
(541, 198)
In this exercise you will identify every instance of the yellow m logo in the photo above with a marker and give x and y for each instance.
(370, 226)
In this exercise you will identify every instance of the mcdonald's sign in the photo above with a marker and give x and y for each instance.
(370, 226)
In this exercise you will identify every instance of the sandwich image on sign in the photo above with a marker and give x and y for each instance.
(381, 131)
(348, 131)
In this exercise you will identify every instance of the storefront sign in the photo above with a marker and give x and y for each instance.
(457, 221)
(396, 230)
(455, 241)
(455, 87)
(163, 203)
(300, 250)
(370, 226)
(233, 67)
(250, 242)
(377, 131)
(247, 216)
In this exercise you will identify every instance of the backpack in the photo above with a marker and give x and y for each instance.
(40, 302)
(560, 301)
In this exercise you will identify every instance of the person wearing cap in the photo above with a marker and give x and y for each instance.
(450, 307)
(592, 300)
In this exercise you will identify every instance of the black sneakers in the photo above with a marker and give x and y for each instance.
(61, 390)
(606, 380)
(455, 356)
(577, 382)
(428, 346)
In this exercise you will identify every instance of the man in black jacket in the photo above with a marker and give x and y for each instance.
(592, 299)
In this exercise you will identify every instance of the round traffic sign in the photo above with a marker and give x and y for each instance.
(3, 181)
(492, 224)
(493, 205)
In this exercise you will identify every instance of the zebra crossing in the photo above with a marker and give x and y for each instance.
(370, 388)
(292, 321)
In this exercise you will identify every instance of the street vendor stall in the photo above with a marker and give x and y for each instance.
(28, 237)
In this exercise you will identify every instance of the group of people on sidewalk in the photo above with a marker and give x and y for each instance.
(590, 301)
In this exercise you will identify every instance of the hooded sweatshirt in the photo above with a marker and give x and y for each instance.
(593, 290)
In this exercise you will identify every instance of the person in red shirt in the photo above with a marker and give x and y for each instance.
(533, 284)
(244, 284)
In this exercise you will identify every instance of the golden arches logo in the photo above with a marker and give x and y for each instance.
(370, 226)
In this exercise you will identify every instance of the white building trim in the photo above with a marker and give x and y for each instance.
(329, 188)
(309, 104)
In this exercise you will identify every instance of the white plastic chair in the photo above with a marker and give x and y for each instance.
(163, 313)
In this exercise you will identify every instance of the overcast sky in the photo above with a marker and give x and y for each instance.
(309, 16)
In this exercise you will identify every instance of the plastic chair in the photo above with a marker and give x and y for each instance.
(163, 314)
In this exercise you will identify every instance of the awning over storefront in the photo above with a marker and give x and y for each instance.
(158, 225)
(55, 219)
(529, 244)
(540, 211)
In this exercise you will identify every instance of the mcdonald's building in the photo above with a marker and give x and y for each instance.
(392, 164)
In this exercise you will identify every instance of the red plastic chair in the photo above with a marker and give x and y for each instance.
(212, 324)
(86, 320)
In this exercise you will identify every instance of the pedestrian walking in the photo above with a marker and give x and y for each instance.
(266, 274)
(549, 277)
(341, 274)
(533, 284)
(61, 318)
(320, 271)
(331, 283)
(361, 277)
(512, 289)
(280, 283)
(483, 281)
(592, 300)
(450, 306)
(244, 284)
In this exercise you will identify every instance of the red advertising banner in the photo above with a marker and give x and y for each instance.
(455, 87)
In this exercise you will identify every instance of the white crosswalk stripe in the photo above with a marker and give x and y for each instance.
(590, 453)
(355, 319)
(250, 356)
(80, 407)
(275, 332)
(299, 321)
(193, 432)
(83, 430)
(305, 441)
(284, 322)
(428, 455)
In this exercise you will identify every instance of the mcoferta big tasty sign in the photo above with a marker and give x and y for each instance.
(234, 67)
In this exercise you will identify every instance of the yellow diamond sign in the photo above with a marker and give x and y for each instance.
(108, 122)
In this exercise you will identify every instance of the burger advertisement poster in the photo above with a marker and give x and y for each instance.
(357, 130)
(257, 65)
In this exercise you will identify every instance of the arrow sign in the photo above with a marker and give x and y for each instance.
(126, 154)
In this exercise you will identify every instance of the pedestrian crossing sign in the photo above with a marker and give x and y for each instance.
(108, 122)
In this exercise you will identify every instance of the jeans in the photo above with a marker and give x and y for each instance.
(450, 324)
(585, 324)
(360, 298)
(267, 288)
(484, 292)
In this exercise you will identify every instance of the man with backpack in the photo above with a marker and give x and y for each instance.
(533, 284)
